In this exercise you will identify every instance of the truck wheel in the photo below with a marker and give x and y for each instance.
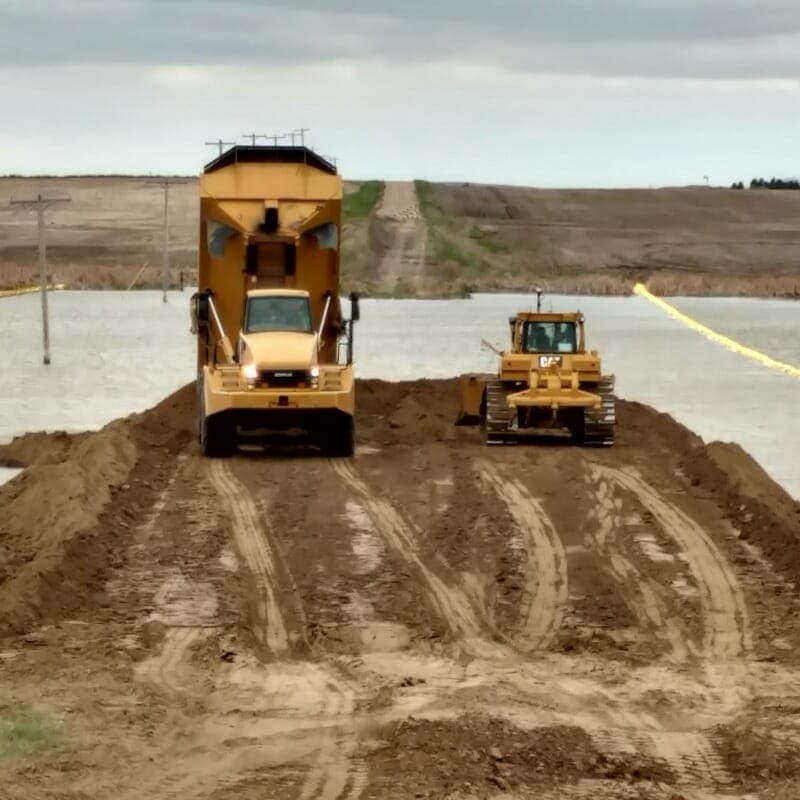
(216, 437)
(340, 442)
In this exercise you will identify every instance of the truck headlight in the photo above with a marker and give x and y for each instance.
(250, 372)
(313, 376)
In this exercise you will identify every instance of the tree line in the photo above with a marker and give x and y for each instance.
(772, 183)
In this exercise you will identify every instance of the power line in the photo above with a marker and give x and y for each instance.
(40, 203)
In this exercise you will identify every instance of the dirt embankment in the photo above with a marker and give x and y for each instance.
(678, 240)
(433, 618)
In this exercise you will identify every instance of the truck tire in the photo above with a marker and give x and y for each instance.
(340, 441)
(217, 440)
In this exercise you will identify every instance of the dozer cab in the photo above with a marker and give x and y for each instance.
(546, 384)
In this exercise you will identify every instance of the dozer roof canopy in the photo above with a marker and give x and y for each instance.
(538, 316)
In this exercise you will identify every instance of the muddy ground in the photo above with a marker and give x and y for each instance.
(431, 619)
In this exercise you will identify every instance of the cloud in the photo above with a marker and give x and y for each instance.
(187, 75)
(696, 39)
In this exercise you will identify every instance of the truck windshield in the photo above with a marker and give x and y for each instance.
(550, 337)
(277, 313)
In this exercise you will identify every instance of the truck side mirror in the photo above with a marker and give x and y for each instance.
(355, 310)
(200, 310)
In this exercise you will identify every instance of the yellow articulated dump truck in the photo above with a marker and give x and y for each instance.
(547, 383)
(274, 353)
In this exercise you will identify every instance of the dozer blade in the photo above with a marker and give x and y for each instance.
(472, 388)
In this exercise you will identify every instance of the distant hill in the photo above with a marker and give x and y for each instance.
(467, 237)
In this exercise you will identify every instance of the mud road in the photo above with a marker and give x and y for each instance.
(431, 619)
(399, 236)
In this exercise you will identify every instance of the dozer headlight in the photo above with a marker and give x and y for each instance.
(313, 376)
(250, 372)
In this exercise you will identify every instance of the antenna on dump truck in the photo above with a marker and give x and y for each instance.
(220, 144)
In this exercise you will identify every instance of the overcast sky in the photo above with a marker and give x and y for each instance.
(558, 93)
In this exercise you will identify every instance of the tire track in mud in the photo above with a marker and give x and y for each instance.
(546, 584)
(451, 604)
(334, 774)
(727, 637)
(257, 554)
(324, 733)
(186, 623)
(642, 592)
(165, 668)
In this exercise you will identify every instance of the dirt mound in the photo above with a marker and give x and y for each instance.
(474, 754)
(38, 448)
(58, 530)
(406, 411)
(764, 513)
(47, 509)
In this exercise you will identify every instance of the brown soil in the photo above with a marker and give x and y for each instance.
(478, 756)
(678, 240)
(434, 618)
(488, 238)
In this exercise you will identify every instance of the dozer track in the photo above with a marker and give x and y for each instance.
(598, 424)
(498, 414)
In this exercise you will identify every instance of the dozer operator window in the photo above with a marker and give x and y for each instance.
(277, 313)
(550, 337)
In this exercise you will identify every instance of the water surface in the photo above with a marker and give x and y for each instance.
(114, 353)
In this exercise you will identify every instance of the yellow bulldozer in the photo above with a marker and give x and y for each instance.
(546, 384)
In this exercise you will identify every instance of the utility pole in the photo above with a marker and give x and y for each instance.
(275, 138)
(165, 183)
(293, 134)
(253, 136)
(165, 268)
(301, 132)
(220, 144)
(40, 204)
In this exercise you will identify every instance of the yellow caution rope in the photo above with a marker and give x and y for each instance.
(28, 290)
(725, 341)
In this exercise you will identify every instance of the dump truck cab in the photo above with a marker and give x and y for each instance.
(277, 344)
